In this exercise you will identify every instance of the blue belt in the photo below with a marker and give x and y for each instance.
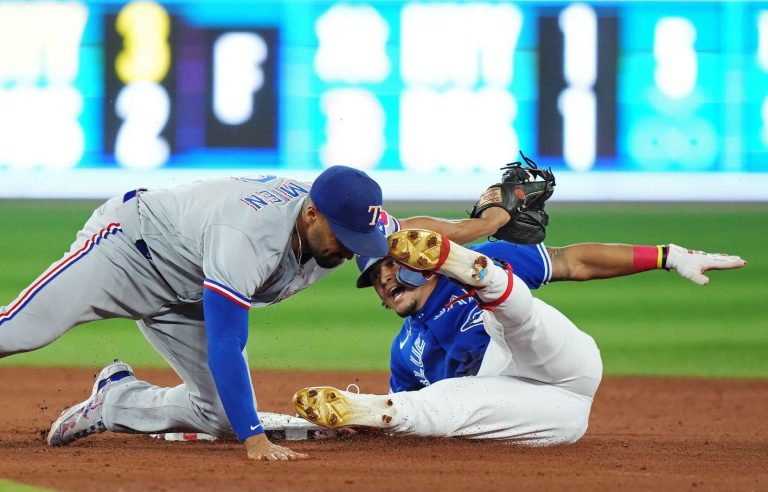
(140, 244)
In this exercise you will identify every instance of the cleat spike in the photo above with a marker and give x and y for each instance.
(334, 408)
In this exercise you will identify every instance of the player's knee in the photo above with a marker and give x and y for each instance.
(217, 419)
(211, 415)
(572, 431)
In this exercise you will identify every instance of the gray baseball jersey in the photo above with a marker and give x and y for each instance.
(233, 233)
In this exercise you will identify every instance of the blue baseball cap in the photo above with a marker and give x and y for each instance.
(404, 276)
(351, 201)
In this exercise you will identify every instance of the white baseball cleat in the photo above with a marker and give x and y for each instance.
(429, 251)
(85, 418)
(332, 407)
(692, 264)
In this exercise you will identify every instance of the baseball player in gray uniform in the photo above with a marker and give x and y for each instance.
(187, 264)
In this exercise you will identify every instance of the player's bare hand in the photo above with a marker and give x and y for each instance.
(260, 448)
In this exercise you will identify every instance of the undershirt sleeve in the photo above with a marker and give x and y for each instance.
(226, 327)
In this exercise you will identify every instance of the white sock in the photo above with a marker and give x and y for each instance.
(496, 281)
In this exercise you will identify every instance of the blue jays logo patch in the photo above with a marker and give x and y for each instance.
(474, 320)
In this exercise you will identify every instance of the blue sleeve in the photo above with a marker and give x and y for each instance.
(530, 262)
(226, 327)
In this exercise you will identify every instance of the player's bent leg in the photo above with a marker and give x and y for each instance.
(102, 276)
(84, 286)
(502, 408)
(546, 347)
(193, 406)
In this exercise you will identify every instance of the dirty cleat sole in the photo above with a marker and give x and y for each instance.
(332, 407)
(425, 250)
(419, 249)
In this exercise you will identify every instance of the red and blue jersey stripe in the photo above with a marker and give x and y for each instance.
(57, 269)
(231, 294)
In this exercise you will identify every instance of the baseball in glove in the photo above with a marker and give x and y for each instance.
(522, 192)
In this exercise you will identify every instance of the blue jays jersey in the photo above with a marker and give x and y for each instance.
(441, 342)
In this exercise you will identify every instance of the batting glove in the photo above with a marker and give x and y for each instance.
(692, 264)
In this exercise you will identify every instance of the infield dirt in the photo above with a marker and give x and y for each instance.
(645, 433)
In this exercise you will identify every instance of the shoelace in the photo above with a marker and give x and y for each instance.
(353, 385)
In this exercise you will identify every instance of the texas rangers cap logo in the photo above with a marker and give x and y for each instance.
(375, 211)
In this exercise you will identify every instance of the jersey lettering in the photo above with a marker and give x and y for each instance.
(271, 197)
(254, 201)
(417, 358)
(422, 377)
(283, 193)
(293, 189)
(417, 351)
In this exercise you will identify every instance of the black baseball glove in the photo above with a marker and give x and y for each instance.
(522, 192)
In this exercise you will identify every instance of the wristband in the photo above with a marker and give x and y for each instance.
(646, 258)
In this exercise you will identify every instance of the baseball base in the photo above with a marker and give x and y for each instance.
(277, 427)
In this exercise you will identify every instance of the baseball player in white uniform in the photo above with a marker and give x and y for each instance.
(536, 373)
(187, 264)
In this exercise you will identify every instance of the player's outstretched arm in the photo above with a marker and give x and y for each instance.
(226, 326)
(463, 230)
(589, 261)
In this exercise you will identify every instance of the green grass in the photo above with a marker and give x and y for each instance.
(8, 486)
(654, 323)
